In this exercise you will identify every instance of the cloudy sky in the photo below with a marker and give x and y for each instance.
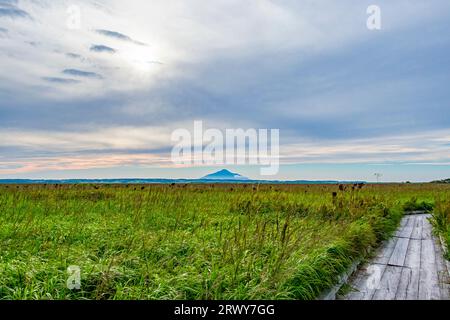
(94, 89)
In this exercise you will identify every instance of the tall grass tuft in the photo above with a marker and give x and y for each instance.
(441, 222)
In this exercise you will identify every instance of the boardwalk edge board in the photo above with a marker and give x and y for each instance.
(444, 251)
(330, 294)
(410, 213)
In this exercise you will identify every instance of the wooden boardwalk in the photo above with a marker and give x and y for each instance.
(408, 267)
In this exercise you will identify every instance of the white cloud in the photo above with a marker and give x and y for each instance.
(178, 33)
(430, 147)
(118, 138)
(113, 147)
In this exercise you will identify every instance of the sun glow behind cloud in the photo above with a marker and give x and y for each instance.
(142, 60)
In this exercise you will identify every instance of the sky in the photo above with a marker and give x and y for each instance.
(94, 89)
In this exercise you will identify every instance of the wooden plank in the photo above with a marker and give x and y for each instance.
(366, 282)
(426, 229)
(406, 283)
(417, 230)
(389, 284)
(404, 221)
(412, 259)
(385, 252)
(403, 224)
(428, 282)
(399, 254)
(405, 231)
(443, 276)
(408, 288)
(415, 212)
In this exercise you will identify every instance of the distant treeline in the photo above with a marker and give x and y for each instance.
(441, 181)
(169, 181)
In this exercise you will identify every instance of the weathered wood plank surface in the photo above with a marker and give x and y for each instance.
(443, 274)
(409, 283)
(399, 254)
(366, 282)
(406, 230)
(410, 266)
(426, 228)
(428, 283)
(389, 284)
(384, 253)
(417, 231)
(403, 224)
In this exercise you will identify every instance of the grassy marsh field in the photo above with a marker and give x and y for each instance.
(196, 241)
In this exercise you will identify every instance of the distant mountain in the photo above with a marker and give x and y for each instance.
(224, 175)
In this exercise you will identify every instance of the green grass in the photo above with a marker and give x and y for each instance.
(441, 222)
(192, 241)
(414, 205)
